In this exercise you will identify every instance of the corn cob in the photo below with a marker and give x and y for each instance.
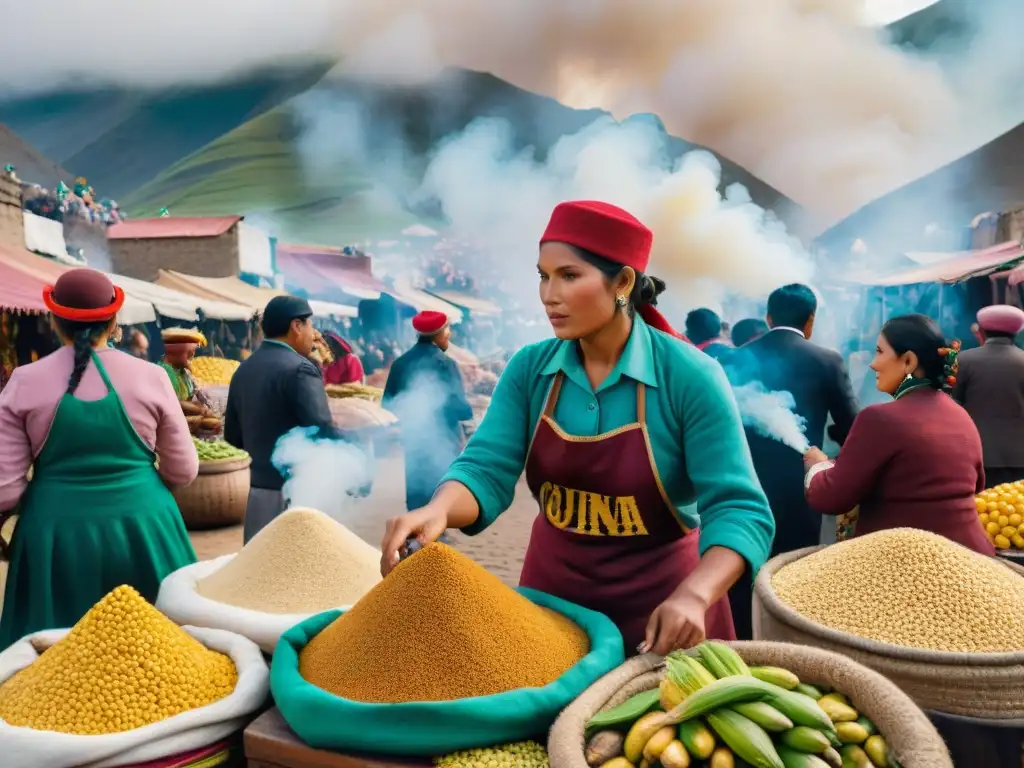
(832, 757)
(802, 710)
(641, 732)
(727, 657)
(722, 693)
(867, 725)
(877, 751)
(671, 694)
(675, 756)
(777, 676)
(764, 715)
(851, 733)
(626, 713)
(697, 738)
(792, 758)
(722, 757)
(658, 742)
(747, 740)
(809, 690)
(804, 739)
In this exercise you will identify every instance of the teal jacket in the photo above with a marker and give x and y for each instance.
(695, 428)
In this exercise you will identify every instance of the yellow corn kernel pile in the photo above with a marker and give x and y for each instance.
(122, 666)
(213, 371)
(521, 754)
(1001, 512)
(909, 587)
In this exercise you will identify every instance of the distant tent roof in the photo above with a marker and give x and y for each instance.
(172, 226)
(952, 269)
(20, 291)
(314, 268)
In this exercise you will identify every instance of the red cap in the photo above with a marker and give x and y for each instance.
(84, 296)
(428, 323)
(603, 229)
(612, 233)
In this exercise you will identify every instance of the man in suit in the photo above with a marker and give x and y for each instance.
(784, 359)
(425, 390)
(274, 391)
(706, 331)
(990, 385)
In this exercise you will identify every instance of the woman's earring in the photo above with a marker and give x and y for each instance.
(621, 301)
(908, 377)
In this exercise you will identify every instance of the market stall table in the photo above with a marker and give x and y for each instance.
(270, 743)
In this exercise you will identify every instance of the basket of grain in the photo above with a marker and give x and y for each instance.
(438, 657)
(900, 731)
(218, 495)
(124, 686)
(353, 413)
(301, 564)
(943, 623)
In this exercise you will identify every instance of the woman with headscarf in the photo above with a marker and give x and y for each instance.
(625, 431)
(913, 462)
(91, 421)
(346, 368)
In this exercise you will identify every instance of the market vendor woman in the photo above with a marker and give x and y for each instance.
(180, 345)
(91, 421)
(625, 432)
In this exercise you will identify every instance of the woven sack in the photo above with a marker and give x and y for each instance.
(981, 685)
(29, 748)
(425, 728)
(218, 495)
(180, 602)
(910, 735)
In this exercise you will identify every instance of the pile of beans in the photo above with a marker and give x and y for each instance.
(122, 666)
(441, 627)
(303, 562)
(911, 588)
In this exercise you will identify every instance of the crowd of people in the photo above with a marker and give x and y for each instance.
(77, 201)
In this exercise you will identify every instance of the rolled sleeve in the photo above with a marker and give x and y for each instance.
(734, 511)
(493, 459)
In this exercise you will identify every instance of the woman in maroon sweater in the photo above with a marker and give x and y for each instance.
(914, 462)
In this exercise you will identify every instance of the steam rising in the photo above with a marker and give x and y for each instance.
(771, 415)
(321, 474)
(797, 91)
(704, 245)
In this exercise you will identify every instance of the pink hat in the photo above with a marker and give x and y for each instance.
(1001, 318)
(428, 322)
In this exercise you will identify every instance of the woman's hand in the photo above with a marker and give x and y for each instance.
(814, 456)
(425, 524)
(676, 623)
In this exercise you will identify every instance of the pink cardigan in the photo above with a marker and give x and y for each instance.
(29, 401)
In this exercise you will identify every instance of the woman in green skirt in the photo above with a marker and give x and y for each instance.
(90, 421)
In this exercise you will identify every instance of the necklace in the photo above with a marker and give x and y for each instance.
(909, 384)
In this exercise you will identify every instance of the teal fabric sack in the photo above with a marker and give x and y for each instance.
(326, 721)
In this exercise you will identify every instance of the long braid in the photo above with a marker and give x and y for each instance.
(84, 337)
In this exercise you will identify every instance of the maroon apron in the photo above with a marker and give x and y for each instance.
(607, 536)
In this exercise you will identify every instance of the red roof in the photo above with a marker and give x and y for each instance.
(172, 226)
(19, 290)
(311, 269)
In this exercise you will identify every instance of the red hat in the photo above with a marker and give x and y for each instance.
(612, 233)
(428, 323)
(84, 296)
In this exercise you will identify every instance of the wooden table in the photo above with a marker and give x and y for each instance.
(270, 743)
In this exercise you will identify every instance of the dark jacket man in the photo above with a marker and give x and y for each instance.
(425, 390)
(276, 390)
(990, 386)
(785, 360)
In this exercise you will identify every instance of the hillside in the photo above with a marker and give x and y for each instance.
(257, 168)
(32, 165)
(989, 179)
(121, 138)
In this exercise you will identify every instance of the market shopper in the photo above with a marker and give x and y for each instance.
(345, 368)
(915, 462)
(92, 421)
(425, 391)
(624, 431)
(277, 389)
(990, 385)
(705, 329)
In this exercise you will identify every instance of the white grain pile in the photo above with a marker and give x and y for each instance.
(303, 562)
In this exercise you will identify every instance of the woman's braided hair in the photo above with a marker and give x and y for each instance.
(84, 337)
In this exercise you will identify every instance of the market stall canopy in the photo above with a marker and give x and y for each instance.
(955, 268)
(133, 311)
(314, 268)
(20, 291)
(422, 301)
(44, 235)
(178, 305)
(236, 290)
(472, 303)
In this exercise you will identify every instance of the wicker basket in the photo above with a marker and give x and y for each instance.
(980, 685)
(217, 497)
(911, 737)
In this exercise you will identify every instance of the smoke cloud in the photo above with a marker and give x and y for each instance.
(771, 415)
(797, 91)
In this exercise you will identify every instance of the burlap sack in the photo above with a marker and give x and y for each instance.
(911, 736)
(989, 686)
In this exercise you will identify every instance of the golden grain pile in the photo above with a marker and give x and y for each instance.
(440, 627)
(909, 587)
(213, 371)
(303, 562)
(122, 666)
